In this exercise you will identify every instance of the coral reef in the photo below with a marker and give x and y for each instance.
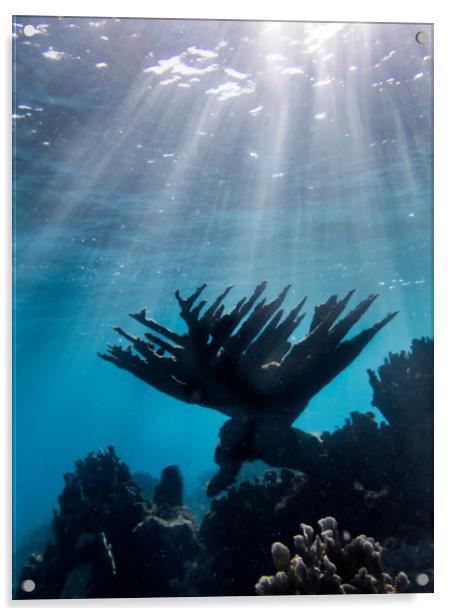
(242, 364)
(111, 541)
(34, 542)
(368, 476)
(326, 565)
(108, 540)
(403, 392)
(416, 559)
(244, 521)
(403, 389)
(168, 492)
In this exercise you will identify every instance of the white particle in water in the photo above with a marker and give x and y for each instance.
(275, 57)
(256, 110)
(293, 70)
(231, 72)
(203, 54)
(53, 54)
(389, 56)
(232, 89)
(323, 82)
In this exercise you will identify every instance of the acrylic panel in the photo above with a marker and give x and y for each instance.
(223, 330)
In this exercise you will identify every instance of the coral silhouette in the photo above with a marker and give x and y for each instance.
(242, 364)
(111, 541)
(403, 391)
(108, 541)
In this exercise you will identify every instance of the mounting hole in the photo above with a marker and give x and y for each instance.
(422, 37)
(422, 579)
(28, 585)
(29, 30)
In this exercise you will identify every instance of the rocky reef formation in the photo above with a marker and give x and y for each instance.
(325, 564)
(403, 389)
(242, 364)
(34, 542)
(367, 475)
(403, 392)
(358, 482)
(109, 541)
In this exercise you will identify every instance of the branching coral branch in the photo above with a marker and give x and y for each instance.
(242, 364)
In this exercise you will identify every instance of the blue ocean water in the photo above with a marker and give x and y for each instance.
(155, 155)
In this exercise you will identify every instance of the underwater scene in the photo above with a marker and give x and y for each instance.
(223, 308)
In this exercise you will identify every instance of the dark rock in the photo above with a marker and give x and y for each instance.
(108, 541)
(168, 493)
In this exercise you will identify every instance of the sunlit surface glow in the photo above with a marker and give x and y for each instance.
(153, 155)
